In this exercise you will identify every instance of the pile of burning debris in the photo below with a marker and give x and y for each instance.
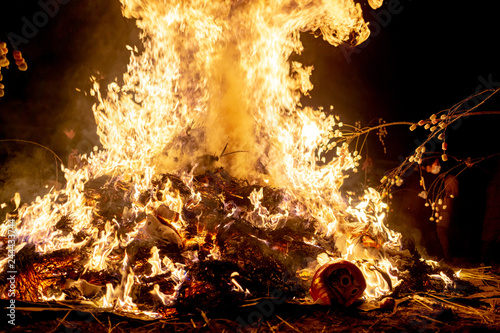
(217, 259)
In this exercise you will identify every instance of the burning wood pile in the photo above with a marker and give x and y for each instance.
(218, 257)
(211, 254)
(212, 257)
(220, 251)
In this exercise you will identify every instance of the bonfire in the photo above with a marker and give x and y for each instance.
(215, 186)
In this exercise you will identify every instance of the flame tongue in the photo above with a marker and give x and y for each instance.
(217, 72)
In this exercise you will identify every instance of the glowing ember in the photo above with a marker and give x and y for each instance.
(212, 77)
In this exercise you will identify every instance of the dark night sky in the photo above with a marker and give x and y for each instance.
(422, 58)
(82, 38)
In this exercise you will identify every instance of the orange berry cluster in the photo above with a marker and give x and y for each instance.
(20, 62)
(437, 126)
(4, 62)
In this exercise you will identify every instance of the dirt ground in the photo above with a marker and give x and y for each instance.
(446, 311)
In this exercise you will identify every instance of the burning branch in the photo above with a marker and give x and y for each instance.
(437, 124)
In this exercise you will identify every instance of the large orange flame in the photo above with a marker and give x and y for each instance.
(212, 74)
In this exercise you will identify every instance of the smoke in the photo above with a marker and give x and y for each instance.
(93, 48)
(30, 171)
(229, 121)
(225, 135)
(81, 39)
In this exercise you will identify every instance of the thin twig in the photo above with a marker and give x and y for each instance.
(286, 323)
(205, 317)
(39, 145)
(468, 308)
(61, 321)
(36, 309)
(34, 143)
(92, 314)
(428, 307)
(432, 319)
(368, 130)
(113, 328)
